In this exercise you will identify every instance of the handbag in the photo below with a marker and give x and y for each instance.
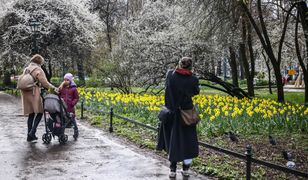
(189, 116)
(164, 114)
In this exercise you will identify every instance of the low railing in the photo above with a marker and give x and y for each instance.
(10, 88)
(247, 156)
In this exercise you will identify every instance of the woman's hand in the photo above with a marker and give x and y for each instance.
(61, 85)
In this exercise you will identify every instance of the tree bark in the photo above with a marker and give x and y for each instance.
(218, 70)
(242, 73)
(244, 59)
(252, 60)
(108, 27)
(7, 78)
(80, 69)
(269, 73)
(302, 14)
(233, 66)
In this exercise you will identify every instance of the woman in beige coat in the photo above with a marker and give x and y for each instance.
(31, 100)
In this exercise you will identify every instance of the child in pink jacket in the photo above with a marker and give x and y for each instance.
(68, 92)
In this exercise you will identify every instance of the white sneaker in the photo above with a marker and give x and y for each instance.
(172, 174)
(185, 173)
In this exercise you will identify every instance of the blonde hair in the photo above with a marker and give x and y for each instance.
(38, 59)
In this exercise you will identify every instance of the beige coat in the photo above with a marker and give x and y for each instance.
(31, 100)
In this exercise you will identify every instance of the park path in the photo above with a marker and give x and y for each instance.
(96, 155)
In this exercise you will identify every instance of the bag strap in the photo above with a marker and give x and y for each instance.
(31, 70)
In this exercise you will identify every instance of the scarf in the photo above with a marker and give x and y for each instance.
(185, 72)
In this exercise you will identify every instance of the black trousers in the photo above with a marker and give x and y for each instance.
(74, 123)
(33, 122)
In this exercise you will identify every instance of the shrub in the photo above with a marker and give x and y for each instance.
(56, 81)
(94, 82)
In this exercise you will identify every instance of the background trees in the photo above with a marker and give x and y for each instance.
(67, 31)
(134, 42)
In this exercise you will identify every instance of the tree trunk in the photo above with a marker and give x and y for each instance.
(218, 70)
(242, 73)
(278, 76)
(252, 59)
(108, 28)
(7, 78)
(243, 58)
(266, 43)
(233, 66)
(303, 15)
(269, 78)
(109, 36)
(212, 69)
(81, 72)
(306, 87)
(47, 74)
(269, 74)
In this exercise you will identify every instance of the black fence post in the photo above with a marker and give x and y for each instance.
(82, 106)
(158, 126)
(111, 116)
(248, 161)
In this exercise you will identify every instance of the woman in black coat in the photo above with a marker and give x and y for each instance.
(178, 140)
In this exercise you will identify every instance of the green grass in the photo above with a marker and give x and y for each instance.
(292, 97)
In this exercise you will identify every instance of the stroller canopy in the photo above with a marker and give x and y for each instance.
(52, 103)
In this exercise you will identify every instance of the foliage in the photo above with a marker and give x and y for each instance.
(94, 82)
(220, 114)
(65, 27)
(154, 41)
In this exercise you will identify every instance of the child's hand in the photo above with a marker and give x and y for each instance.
(56, 90)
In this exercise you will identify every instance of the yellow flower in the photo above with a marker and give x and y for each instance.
(250, 113)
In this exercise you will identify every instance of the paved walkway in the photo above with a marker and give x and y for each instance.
(292, 88)
(96, 154)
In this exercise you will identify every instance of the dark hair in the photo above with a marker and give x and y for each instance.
(185, 63)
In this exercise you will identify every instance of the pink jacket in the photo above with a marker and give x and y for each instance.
(70, 96)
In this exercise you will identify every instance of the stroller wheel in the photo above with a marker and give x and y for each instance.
(46, 138)
(63, 138)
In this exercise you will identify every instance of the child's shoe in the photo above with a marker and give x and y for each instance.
(185, 173)
(76, 134)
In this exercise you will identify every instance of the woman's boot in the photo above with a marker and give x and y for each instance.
(30, 124)
(35, 124)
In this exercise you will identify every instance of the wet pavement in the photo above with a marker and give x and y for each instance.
(95, 155)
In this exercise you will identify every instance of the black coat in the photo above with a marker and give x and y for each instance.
(178, 140)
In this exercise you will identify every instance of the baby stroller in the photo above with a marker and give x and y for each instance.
(57, 119)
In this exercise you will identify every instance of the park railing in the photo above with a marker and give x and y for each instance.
(247, 156)
(9, 88)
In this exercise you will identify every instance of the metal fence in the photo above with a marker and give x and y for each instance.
(247, 156)
(9, 88)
